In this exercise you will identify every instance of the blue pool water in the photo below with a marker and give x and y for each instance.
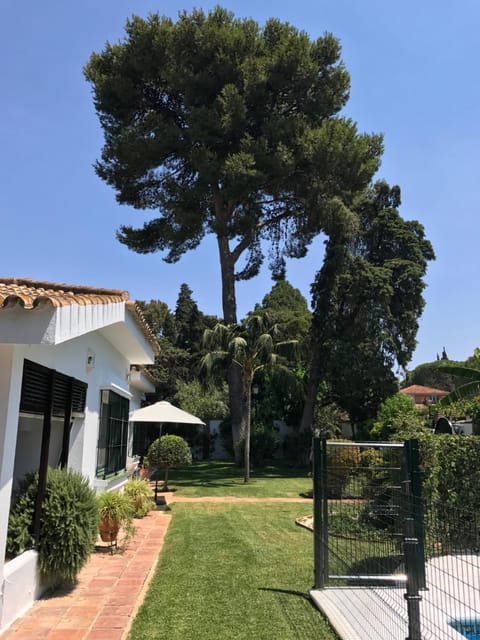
(469, 628)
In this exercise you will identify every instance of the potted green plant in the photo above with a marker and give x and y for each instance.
(116, 512)
(140, 494)
(146, 468)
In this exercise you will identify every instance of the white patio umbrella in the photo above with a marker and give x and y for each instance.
(162, 412)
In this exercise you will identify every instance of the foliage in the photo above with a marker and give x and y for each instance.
(168, 452)
(430, 374)
(224, 127)
(464, 391)
(116, 511)
(179, 335)
(208, 403)
(297, 446)
(252, 347)
(68, 525)
(396, 414)
(328, 418)
(289, 309)
(281, 394)
(264, 442)
(366, 300)
(188, 321)
(342, 462)
(172, 366)
(450, 488)
(140, 493)
(156, 313)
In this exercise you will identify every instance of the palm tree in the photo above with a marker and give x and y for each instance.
(253, 346)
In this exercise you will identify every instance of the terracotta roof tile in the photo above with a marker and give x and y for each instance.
(31, 293)
(415, 389)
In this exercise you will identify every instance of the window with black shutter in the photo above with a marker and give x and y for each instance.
(40, 383)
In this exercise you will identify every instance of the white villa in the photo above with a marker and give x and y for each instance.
(68, 382)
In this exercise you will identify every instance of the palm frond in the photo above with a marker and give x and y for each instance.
(461, 372)
(465, 391)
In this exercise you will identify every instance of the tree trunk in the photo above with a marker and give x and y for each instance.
(235, 387)
(311, 390)
(247, 404)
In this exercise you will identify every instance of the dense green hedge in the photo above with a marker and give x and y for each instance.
(68, 526)
(451, 489)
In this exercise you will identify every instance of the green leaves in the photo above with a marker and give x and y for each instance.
(169, 451)
(466, 390)
(226, 127)
(367, 298)
(68, 526)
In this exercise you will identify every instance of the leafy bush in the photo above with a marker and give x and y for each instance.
(168, 452)
(342, 463)
(450, 488)
(264, 440)
(396, 414)
(140, 493)
(68, 525)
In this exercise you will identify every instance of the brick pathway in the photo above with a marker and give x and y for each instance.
(108, 593)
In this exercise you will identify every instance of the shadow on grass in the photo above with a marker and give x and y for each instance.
(289, 592)
(214, 473)
(300, 613)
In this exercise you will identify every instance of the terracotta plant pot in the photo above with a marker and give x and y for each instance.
(108, 530)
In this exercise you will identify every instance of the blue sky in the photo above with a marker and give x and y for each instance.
(414, 78)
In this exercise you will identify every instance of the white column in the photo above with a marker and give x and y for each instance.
(11, 371)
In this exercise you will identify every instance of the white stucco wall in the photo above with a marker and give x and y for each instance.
(10, 386)
(111, 370)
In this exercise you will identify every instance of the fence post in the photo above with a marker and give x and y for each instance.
(413, 541)
(320, 511)
(416, 508)
(412, 595)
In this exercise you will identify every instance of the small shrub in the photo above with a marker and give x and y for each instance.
(140, 494)
(169, 452)
(68, 526)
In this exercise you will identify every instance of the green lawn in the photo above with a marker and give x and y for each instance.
(233, 572)
(219, 478)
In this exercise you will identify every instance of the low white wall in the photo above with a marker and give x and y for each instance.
(21, 587)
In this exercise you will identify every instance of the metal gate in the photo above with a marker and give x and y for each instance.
(368, 518)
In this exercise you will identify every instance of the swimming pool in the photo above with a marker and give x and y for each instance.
(468, 627)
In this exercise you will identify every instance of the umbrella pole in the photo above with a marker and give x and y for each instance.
(156, 481)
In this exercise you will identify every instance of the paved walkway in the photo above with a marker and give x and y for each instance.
(108, 593)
